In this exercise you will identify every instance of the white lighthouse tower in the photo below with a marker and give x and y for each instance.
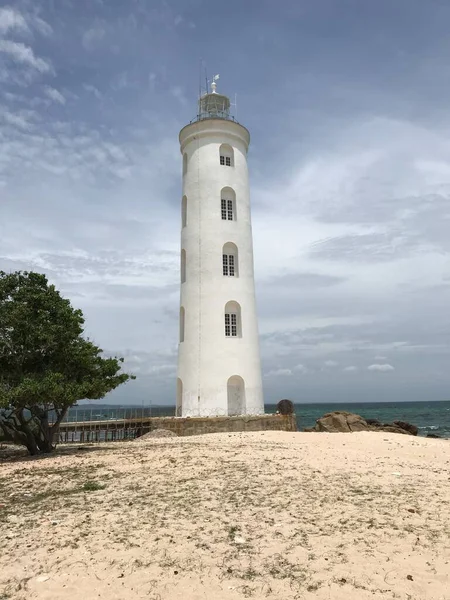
(219, 370)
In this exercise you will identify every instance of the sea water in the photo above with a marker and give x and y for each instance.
(429, 417)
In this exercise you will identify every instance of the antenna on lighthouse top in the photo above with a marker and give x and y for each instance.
(211, 104)
(235, 106)
(214, 84)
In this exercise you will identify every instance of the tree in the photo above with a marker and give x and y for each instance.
(46, 365)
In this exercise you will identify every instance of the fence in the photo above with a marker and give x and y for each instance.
(127, 425)
(101, 424)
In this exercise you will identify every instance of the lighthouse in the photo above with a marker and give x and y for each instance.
(219, 368)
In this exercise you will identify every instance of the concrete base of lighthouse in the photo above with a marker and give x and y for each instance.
(202, 425)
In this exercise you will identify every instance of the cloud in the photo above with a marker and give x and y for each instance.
(178, 93)
(303, 280)
(18, 119)
(23, 54)
(55, 95)
(42, 26)
(92, 90)
(300, 369)
(12, 20)
(279, 373)
(331, 363)
(93, 36)
(380, 367)
(350, 369)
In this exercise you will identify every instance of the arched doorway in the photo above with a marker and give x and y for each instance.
(179, 404)
(236, 396)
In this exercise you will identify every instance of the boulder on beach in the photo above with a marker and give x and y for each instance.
(344, 422)
(285, 407)
(413, 430)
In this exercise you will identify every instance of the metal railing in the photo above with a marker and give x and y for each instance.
(109, 424)
(219, 115)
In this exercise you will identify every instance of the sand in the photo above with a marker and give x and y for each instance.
(257, 515)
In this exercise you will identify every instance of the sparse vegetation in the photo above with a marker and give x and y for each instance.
(257, 519)
(93, 486)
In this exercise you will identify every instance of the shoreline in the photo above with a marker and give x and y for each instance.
(429, 417)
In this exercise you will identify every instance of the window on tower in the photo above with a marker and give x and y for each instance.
(230, 260)
(227, 210)
(182, 315)
(185, 163)
(232, 320)
(184, 212)
(183, 266)
(226, 155)
(228, 204)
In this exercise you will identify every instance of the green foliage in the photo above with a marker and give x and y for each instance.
(93, 486)
(45, 362)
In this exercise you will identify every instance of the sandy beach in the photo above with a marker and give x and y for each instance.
(257, 515)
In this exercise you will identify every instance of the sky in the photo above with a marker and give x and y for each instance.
(347, 106)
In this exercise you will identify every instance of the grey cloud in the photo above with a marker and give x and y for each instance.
(22, 54)
(367, 247)
(12, 20)
(55, 95)
(93, 36)
(302, 280)
(382, 368)
(413, 223)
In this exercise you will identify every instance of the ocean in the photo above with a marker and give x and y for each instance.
(429, 417)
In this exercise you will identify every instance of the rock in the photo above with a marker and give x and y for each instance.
(334, 422)
(356, 423)
(156, 433)
(239, 540)
(434, 436)
(13, 519)
(391, 429)
(413, 430)
(285, 407)
(345, 422)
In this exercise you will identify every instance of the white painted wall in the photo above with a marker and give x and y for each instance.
(206, 358)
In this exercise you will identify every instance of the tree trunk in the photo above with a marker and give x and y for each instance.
(36, 433)
(47, 432)
(20, 434)
(30, 438)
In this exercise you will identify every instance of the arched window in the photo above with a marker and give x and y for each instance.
(236, 396)
(230, 266)
(228, 204)
(184, 212)
(232, 322)
(226, 155)
(182, 324)
(185, 163)
(179, 404)
(183, 266)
